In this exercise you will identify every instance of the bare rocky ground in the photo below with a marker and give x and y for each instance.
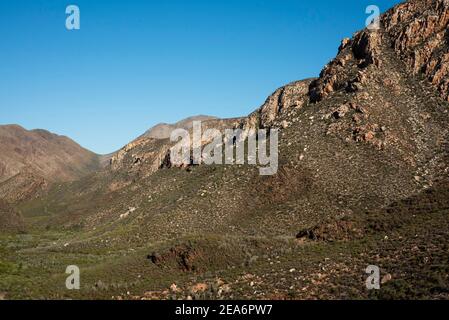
(363, 180)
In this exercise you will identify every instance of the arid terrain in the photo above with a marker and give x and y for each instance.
(363, 180)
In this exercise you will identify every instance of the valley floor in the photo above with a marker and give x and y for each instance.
(408, 241)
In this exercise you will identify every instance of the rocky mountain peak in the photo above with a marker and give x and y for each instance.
(415, 30)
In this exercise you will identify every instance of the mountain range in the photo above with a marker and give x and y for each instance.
(363, 180)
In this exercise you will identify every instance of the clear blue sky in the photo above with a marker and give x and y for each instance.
(136, 63)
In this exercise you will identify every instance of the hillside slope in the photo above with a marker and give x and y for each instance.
(30, 160)
(10, 219)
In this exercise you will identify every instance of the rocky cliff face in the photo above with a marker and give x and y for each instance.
(416, 31)
(389, 78)
(283, 101)
(147, 154)
(422, 41)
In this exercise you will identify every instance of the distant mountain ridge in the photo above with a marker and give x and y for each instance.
(37, 157)
(31, 160)
(163, 130)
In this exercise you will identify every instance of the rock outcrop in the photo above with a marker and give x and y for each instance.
(421, 41)
(282, 102)
(145, 155)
